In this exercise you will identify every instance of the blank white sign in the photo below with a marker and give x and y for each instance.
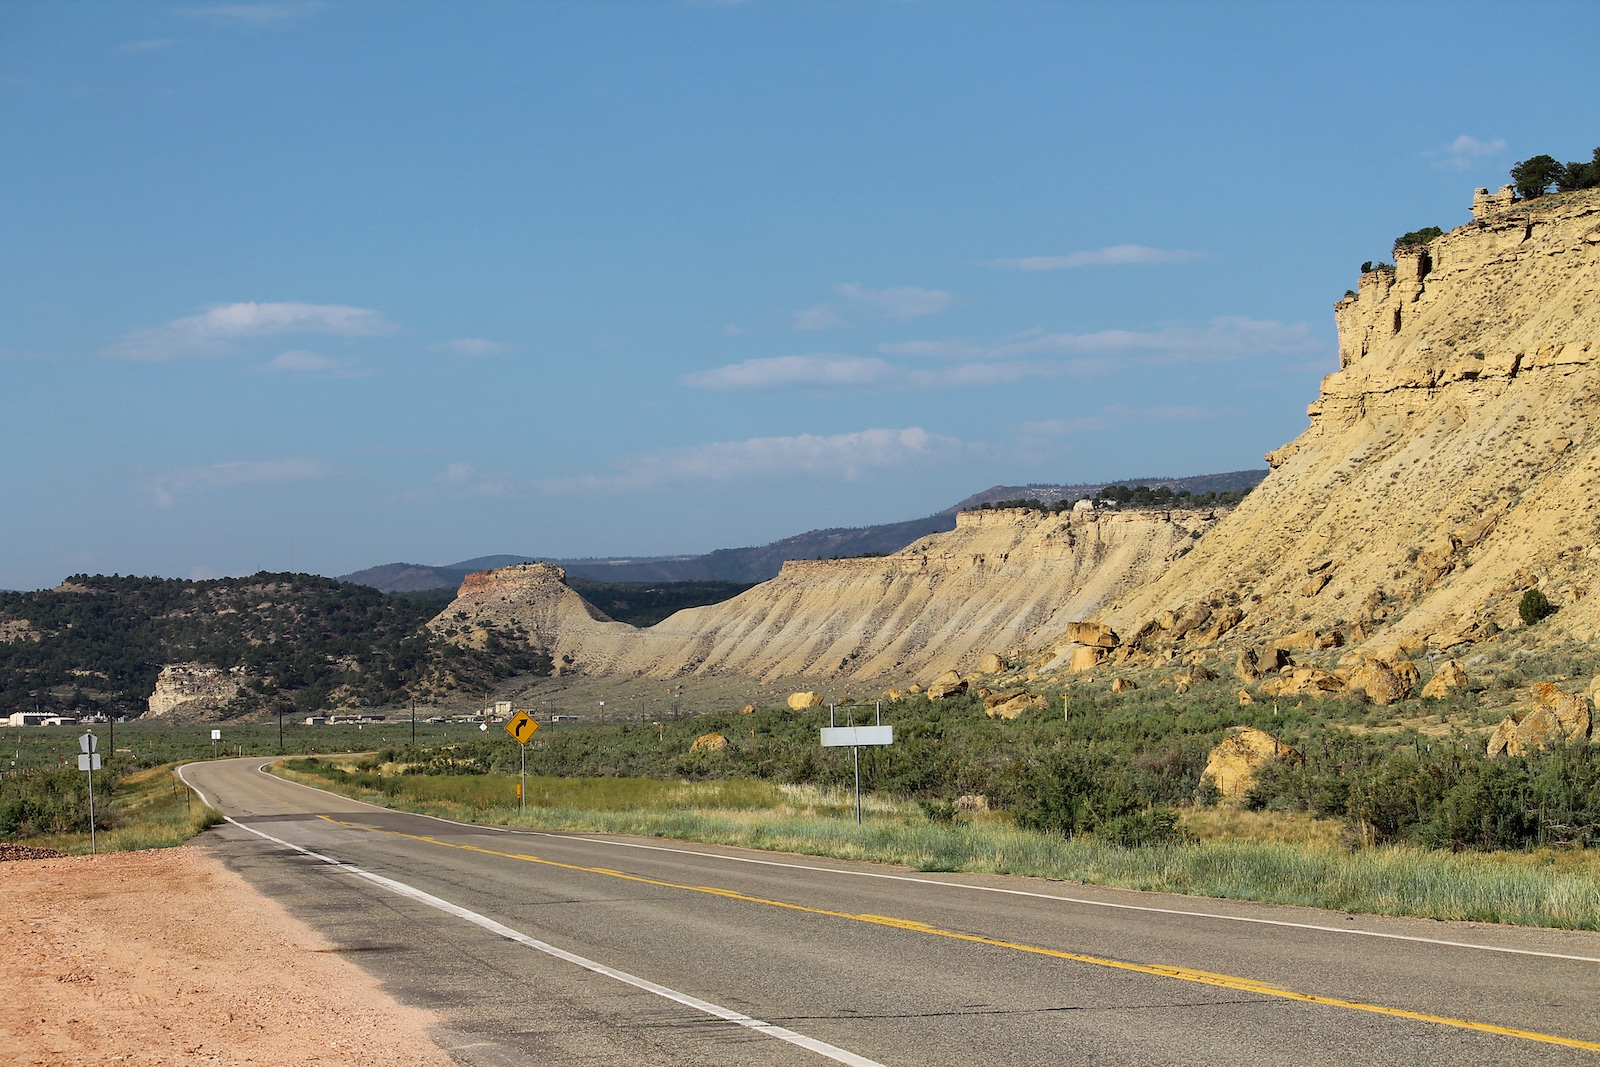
(851, 736)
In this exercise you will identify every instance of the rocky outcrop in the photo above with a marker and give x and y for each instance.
(948, 684)
(802, 701)
(1234, 762)
(1451, 457)
(1448, 679)
(1557, 717)
(194, 690)
(709, 743)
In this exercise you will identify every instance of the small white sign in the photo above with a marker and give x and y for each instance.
(88, 743)
(853, 736)
(86, 762)
(216, 735)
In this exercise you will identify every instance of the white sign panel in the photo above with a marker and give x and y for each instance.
(87, 762)
(216, 735)
(89, 743)
(851, 736)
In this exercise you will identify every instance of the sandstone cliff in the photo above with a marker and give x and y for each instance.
(193, 690)
(1451, 461)
(1002, 581)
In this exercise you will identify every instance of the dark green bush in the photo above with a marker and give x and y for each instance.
(1534, 606)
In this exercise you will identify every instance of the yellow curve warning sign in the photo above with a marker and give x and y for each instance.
(521, 726)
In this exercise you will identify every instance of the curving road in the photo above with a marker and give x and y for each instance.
(585, 949)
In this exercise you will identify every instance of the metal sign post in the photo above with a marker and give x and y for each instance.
(216, 735)
(522, 728)
(853, 737)
(89, 760)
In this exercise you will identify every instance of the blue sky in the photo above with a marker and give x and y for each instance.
(331, 284)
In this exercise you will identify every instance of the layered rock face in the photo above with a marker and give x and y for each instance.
(1452, 461)
(193, 690)
(1001, 583)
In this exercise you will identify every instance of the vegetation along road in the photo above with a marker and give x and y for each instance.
(538, 947)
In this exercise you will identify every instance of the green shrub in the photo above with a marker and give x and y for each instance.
(1417, 237)
(1534, 606)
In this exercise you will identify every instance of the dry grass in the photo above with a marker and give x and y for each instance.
(1281, 859)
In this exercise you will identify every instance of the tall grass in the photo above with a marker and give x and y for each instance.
(150, 809)
(1545, 888)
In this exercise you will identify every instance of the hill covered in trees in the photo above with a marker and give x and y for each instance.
(300, 641)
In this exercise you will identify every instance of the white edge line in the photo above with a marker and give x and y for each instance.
(1150, 909)
(811, 1044)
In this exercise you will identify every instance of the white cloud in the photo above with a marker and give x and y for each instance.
(1111, 418)
(270, 13)
(298, 360)
(1025, 356)
(475, 346)
(897, 304)
(857, 372)
(210, 332)
(1466, 152)
(900, 303)
(462, 479)
(169, 486)
(1115, 256)
(844, 455)
(1224, 338)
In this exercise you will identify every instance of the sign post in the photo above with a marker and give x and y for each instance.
(522, 728)
(216, 735)
(89, 760)
(853, 737)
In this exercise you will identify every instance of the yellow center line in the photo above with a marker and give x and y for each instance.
(1184, 974)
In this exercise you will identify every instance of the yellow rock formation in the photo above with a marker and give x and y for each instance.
(1233, 763)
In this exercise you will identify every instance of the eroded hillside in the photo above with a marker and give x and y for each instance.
(1451, 462)
(1002, 581)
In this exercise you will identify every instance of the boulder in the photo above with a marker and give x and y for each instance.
(802, 701)
(1221, 623)
(1184, 680)
(1558, 717)
(972, 802)
(913, 688)
(991, 663)
(1308, 640)
(1446, 680)
(709, 743)
(1188, 619)
(1571, 710)
(947, 684)
(747, 709)
(1085, 658)
(1122, 685)
(1092, 633)
(1011, 706)
(894, 695)
(1245, 667)
(1310, 680)
(1314, 585)
(1233, 763)
(1382, 684)
(1505, 736)
(1245, 699)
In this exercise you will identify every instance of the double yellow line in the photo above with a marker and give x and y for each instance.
(1182, 974)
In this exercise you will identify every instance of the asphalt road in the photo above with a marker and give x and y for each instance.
(587, 949)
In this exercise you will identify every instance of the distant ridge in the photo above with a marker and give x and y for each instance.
(760, 563)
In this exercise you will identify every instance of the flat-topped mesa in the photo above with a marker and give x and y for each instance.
(1451, 459)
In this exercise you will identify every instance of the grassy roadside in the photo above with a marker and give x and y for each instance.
(149, 809)
(1243, 858)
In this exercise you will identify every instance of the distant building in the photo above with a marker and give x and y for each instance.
(27, 718)
(316, 720)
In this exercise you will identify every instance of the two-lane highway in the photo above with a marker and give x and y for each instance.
(585, 949)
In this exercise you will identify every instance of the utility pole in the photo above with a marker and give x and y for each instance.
(413, 720)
